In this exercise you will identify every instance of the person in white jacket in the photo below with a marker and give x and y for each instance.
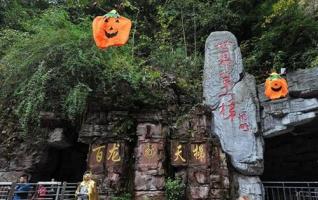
(87, 188)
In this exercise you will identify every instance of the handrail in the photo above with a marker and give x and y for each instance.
(291, 190)
(39, 191)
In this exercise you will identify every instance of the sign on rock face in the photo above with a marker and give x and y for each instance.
(178, 153)
(96, 158)
(149, 154)
(198, 154)
(101, 155)
(232, 95)
(114, 154)
(183, 153)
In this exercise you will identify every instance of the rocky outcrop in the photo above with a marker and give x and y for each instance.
(187, 151)
(58, 139)
(237, 109)
(231, 95)
(282, 116)
(50, 153)
(251, 187)
(303, 83)
(300, 107)
(20, 156)
(103, 125)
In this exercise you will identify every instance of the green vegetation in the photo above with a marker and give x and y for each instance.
(174, 189)
(125, 196)
(287, 37)
(49, 62)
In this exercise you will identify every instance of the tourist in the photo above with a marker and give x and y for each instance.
(87, 188)
(22, 189)
(45, 191)
(41, 192)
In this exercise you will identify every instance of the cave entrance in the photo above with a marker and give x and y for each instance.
(292, 156)
(291, 164)
(68, 164)
(71, 163)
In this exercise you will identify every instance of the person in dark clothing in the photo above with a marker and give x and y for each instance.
(22, 189)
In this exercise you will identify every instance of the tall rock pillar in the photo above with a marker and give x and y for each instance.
(231, 95)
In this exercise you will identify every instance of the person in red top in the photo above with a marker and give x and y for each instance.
(41, 192)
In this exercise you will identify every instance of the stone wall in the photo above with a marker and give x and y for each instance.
(150, 158)
(109, 157)
(187, 151)
(197, 157)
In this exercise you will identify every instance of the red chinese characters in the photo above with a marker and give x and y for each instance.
(243, 118)
(227, 83)
(227, 98)
(224, 57)
(227, 107)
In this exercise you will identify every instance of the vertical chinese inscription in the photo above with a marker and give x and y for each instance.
(243, 119)
(227, 106)
(224, 56)
(227, 97)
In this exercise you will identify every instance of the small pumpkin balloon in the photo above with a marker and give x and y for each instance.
(275, 86)
(111, 30)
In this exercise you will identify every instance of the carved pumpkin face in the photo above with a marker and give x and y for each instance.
(276, 87)
(111, 30)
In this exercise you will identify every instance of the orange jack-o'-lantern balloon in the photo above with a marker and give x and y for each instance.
(111, 30)
(276, 87)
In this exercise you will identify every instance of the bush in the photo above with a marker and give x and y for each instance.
(125, 196)
(174, 189)
(287, 37)
(55, 66)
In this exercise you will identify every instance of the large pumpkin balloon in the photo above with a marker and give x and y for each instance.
(111, 30)
(276, 86)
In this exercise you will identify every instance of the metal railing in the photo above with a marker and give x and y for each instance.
(291, 190)
(38, 191)
(5, 188)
